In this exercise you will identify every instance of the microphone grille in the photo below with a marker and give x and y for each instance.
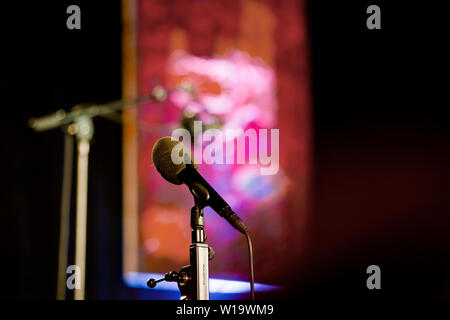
(162, 158)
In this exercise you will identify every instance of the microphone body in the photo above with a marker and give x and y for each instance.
(197, 185)
(186, 173)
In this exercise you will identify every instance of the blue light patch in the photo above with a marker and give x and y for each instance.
(139, 280)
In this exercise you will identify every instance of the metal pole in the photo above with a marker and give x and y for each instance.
(65, 217)
(85, 130)
(199, 255)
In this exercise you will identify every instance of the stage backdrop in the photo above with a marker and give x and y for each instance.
(231, 64)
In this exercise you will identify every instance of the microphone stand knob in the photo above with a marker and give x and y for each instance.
(151, 283)
(169, 277)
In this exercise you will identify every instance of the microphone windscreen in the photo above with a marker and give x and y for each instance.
(162, 158)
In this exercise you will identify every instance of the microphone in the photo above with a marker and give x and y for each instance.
(186, 172)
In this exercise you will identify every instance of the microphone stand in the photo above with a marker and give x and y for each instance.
(193, 280)
(198, 253)
(79, 122)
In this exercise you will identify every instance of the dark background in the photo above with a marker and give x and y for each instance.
(381, 149)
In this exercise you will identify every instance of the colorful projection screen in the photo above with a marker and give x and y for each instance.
(234, 73)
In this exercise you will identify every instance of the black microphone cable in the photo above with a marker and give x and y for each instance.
(252, 275)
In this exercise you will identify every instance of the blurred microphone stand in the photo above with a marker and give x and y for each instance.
(78, 122)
